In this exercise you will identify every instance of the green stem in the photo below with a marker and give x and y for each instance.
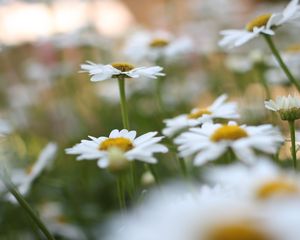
(262, 79)
(280, 61)
(121, 194)
(293, 140)
(183, 167)
(123, 102)
(159, 86)
(23, 203)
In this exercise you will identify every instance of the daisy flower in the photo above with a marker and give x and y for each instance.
(213, 140)
(23, 178)
(261, 181)
(218, 110)
(263, 24)
(122, 143)
(156, 46)
(100, 72)
(287, 107)
(205, 214)
(5, 127)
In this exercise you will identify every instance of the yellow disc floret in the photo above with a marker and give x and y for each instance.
(295, 48)
(227, 132)
(237, 231)
(257, 22)
(198, 113)
(121, 143)
(276, 187)
(158, 43)
(123, 66)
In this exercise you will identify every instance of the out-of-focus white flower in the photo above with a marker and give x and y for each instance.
(213, 140)
(263, 24)
(219, 109)
(5, 127)
(101, 72)
(262, 181)
(157, 46)
(287, 107)
(141, 148)
(23, 178)
(53, 216)
(239, 64)
(205, 214)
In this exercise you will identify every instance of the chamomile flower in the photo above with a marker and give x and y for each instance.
(100, 72)
(23, 178)
(123, 143)
(53, 215)
(262, 181)
(156, 46)
(205, 214)
(213, 140)
(5, 127)
(263, 24)
(287, 107)
(219, 109)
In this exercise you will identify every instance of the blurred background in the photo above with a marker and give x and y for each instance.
(44, 99)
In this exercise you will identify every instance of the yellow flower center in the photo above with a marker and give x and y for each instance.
(28, 170)
(238, 231)
(275, 187)
(158, 43)
(123, 66)
(61, 219)
(295, 48)
(124, 144)
(199, 113)
(259, 21)
(228, 133)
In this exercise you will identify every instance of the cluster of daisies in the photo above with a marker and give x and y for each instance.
(236, 202)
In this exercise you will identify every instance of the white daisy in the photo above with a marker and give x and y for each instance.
(23, 178)
(219, 109)
(288, 107)
(263, 24)
(213, 140)
(5, 127)
(156, 46)
(99, 72)
(261, 181)
(53, 216)
(205, 214)
(124, 142)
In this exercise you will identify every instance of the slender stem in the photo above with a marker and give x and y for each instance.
(121, 194)
(293, 140)
(280, 61)
(183, 166)
(24, 204)
(123, 102)
(158, 86)
(262, 79)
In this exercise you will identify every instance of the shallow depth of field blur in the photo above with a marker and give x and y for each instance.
(44, 98)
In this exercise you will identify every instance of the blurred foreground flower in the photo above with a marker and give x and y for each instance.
(101, 72)
(264, 24)
(5, 127)
(206, 213)
(218, 110)
(122, 142)
(262, 181)
(211, 141)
